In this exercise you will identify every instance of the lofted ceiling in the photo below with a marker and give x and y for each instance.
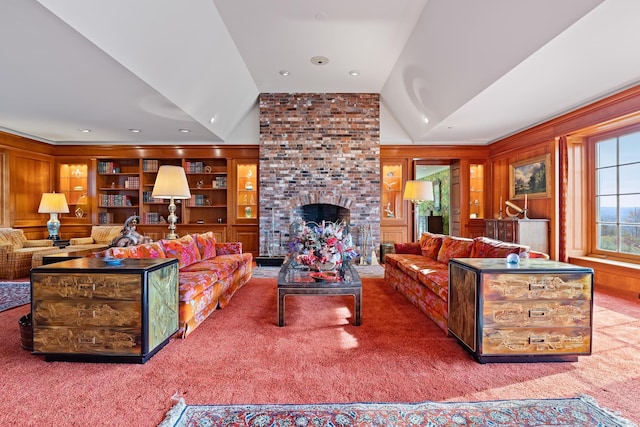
(190, 72)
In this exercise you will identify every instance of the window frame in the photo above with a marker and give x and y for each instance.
(592, 204)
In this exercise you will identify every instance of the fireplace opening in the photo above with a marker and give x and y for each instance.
(318, 212)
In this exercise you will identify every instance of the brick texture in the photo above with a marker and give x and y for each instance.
(319, 148)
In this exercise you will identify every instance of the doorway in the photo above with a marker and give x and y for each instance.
(433, 215)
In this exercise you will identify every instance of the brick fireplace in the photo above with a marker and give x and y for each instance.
(319, 149)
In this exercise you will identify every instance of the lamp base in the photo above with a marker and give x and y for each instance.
(53, 225)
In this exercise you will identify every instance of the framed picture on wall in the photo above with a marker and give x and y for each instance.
(436, 194)
(530, 177)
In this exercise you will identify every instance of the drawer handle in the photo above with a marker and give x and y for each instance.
(85, 286)
(87, 313)
(536, 340)
(537, 286)
(86, 340)
(537, 313)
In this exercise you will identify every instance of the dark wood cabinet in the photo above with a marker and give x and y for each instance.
(531, 232)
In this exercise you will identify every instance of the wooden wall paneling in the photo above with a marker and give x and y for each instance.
(456, 205)
(30, 176)
(5, 208)
(577, 205)
(391, 234)
(248, 236)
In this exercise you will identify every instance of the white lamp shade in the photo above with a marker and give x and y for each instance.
(53, 203)
(171, 181)
(418, 191)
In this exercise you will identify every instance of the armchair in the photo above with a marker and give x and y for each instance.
(16, 252)
(101, 236)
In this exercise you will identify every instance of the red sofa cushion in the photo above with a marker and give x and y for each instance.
(454, 247)
(484, 247)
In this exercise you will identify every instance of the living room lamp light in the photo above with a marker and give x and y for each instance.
(418, 192)
(53, 204)
(171, 183)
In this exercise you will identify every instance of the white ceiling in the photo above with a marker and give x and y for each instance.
(479, 70)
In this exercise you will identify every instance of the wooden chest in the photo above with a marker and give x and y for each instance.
(538, 310)
(529, 232)
(84, 309)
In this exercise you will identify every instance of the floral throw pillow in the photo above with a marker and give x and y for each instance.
(146, 250)
(454, 247)
(430, 244)
(206, 243)
(184, 248)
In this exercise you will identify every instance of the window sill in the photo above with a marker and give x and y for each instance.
(620, 276)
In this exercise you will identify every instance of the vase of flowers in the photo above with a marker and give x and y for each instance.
(325, 246)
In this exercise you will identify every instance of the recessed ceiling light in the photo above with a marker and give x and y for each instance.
(284, 72)
(319, 60)
(135, 130)
(354, 73)
(212, 119)
(426, 119)
(85, 130)
(184, 130)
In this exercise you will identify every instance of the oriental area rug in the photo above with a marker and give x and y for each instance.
(581, 411)
(14, 294)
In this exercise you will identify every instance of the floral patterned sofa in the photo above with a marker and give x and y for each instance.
(420, 271)
(210, 272)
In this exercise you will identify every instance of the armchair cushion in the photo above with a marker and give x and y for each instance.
(15, 237)
(105, 233)
(40, 243)
(81, 241)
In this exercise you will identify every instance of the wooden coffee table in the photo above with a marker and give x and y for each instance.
(294, 281)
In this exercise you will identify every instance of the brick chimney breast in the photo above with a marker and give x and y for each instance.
(319, 148)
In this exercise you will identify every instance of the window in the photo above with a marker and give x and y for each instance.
(617, 191)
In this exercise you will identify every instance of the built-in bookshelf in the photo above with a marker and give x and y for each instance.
(118, 186)
(208, 186)
(125, 188)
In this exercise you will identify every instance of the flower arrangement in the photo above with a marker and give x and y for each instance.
(327, 243)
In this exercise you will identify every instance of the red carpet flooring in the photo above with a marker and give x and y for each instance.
(239, 355)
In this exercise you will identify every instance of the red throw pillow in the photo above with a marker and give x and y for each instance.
(454, 247)
(430, 244)
(410, 248)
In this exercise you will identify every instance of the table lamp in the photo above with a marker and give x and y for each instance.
(53, 204)
(171, 183)
(418, 192)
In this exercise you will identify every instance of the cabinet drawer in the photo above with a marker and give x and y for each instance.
(89, 285)
(545, 313)
(104, 341)
(536, 286)
(87, 313)
(536, 341)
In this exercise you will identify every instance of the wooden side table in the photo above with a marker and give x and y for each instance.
(86, 310)
(537, 310)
